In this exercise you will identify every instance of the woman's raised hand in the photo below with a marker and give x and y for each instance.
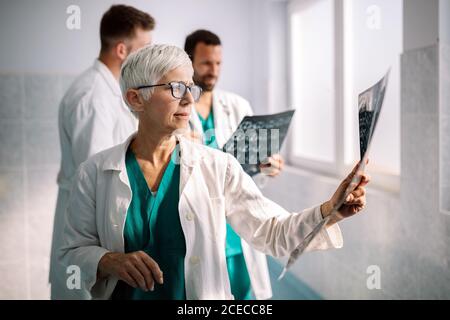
(354, 202)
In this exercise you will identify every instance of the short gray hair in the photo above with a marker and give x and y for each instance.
(148, 65)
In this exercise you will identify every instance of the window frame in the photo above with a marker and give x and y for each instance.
(380, 180)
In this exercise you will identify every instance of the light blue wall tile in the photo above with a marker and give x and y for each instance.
(420, 153)
(43, 94)
(41, 203)
(12, 192)
(439, 277)
(38, 273)
(12, 237)
(41, 143)
(445, 199)
(444, 151)
(420, 81)
(398, 269)
(444, 75)
(11, 151)
(14, 284)
(11, 96)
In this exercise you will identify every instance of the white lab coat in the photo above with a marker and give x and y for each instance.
(213, 190)
(92, 118)
(229, 109)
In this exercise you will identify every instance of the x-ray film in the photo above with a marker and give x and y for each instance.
(369, 107)
(257, 138)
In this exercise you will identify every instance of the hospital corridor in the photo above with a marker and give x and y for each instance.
(197, 150)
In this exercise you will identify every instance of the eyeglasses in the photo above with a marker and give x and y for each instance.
(179, 89)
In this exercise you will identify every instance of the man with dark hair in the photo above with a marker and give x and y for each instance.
(215, 117)
(200, 36)
(124, 24)
(93, 117)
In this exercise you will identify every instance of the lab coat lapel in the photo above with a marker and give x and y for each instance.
(193, 188)
(199, 220)
(194, 121)
(120, 194)
(189, 160)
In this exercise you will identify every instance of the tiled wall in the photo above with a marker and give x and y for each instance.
(444, 117)
(371, 238)
(429, 229)
(405, 235)
(29, 162)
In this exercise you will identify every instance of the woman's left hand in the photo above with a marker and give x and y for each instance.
(354, 202)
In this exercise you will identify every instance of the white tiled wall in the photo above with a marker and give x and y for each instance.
(444, 115)
(341, 274)
(405, 235)
(29, 162)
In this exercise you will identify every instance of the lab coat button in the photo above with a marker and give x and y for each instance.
(195, 260)
(190, 217)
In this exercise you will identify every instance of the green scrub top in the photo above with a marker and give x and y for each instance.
(237, 269)
(208, 126)
(153, 226)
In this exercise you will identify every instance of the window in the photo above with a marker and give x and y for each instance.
(339, 48)
(312, 59)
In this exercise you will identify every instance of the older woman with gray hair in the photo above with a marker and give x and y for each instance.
(147, 218)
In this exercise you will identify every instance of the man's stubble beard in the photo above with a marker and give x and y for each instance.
(205, 87)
